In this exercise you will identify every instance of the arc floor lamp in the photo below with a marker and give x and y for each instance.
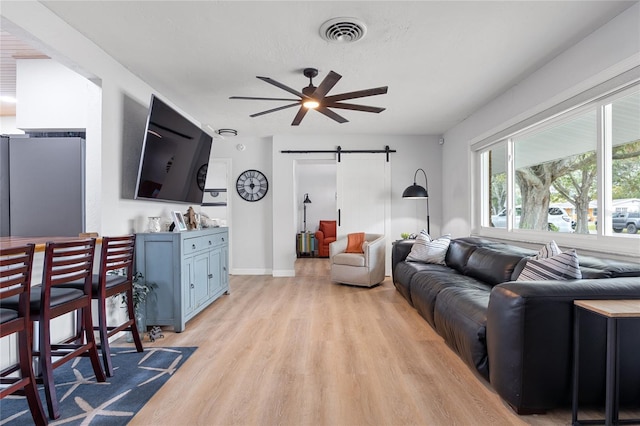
(416, 191)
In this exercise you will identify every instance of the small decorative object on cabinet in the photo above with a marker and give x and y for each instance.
(190, 270)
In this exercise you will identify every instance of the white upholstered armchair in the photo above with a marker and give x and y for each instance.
(363, 269)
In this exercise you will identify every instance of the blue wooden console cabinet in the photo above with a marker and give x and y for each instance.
(190, 270)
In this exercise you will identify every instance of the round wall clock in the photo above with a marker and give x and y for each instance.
(252, 185)
(201, 176)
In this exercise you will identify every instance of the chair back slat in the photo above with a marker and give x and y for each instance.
(66, 262)
(117, 254)
(15, 276)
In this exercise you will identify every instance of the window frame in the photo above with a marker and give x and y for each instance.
(604, 239)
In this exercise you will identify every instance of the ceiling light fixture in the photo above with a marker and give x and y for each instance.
(227, 132)
(311, 104)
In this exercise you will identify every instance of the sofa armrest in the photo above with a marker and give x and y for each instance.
(530, 341)
(399, 252)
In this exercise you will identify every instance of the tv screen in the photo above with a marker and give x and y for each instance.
(174, 159)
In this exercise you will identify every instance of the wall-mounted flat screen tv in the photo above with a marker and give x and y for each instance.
(174, 159)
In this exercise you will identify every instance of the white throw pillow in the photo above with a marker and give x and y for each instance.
(429, 251)
(564, 266)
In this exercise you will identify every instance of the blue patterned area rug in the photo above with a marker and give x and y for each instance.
(83, 401)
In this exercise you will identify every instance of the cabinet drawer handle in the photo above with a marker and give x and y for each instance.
(209, 242)
(193, 286)
(193, 246)
(210, 276)
(222, 238)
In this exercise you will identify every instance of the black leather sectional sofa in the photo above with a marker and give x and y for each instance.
(518, 334)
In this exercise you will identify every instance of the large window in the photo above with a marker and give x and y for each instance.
(555, 176)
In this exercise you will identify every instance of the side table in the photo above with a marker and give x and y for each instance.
(613, 311)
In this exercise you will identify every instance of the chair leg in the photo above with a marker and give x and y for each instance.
(46, 369)
(104, 337)
(132, 317)
(30, 389)
(93, 347)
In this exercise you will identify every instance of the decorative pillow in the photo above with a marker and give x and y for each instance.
(549, 250)
(354, 242)
(428, 251)
(564, 266)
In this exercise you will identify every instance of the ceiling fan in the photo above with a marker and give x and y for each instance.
(313, 97)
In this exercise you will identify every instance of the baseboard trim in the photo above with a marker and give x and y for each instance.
(241, 271)
(284, 273)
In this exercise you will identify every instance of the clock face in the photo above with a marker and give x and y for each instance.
(201, 176)
(252, 185)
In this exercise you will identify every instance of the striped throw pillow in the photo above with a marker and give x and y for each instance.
(428, 251)
(549, 250)
(564, 266)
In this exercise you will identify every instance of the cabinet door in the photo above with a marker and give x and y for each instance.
(224, 273)
(188, 298)
(201, 274)
(215, 263)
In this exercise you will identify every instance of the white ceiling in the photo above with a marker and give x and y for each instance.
(442, 60)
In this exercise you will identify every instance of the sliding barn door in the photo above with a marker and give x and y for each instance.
(364, 195)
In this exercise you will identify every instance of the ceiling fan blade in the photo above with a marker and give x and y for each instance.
(354, 107)
(326, 111)
(357, 94)
(282, 86)
(299, 116)
(327, 84)
(274, 109)
(263, 99)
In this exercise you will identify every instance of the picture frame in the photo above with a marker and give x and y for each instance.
(178, 219)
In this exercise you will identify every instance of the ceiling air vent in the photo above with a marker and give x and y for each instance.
(343, 30)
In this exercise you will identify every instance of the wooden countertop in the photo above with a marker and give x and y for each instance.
(40, 242)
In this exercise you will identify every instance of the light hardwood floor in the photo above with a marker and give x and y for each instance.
(305, 351)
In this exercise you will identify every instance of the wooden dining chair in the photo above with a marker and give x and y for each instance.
(115, 277)
(15, 282)
(64, 262)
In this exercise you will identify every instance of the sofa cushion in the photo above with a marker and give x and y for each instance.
(403, 274)
(425, 288)
(349, 259)
(615, 268)
(460, 317)
(564, 266)
(491, 266)
(458, 254)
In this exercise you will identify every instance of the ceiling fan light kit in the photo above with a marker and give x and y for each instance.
(312, 97)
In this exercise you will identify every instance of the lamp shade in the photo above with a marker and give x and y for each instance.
(415, 191)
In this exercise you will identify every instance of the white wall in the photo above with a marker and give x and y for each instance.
(50, 96)
(608, 51)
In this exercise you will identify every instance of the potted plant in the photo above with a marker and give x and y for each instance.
(141, 290)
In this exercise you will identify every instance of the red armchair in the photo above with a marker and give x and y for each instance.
(325, 235)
